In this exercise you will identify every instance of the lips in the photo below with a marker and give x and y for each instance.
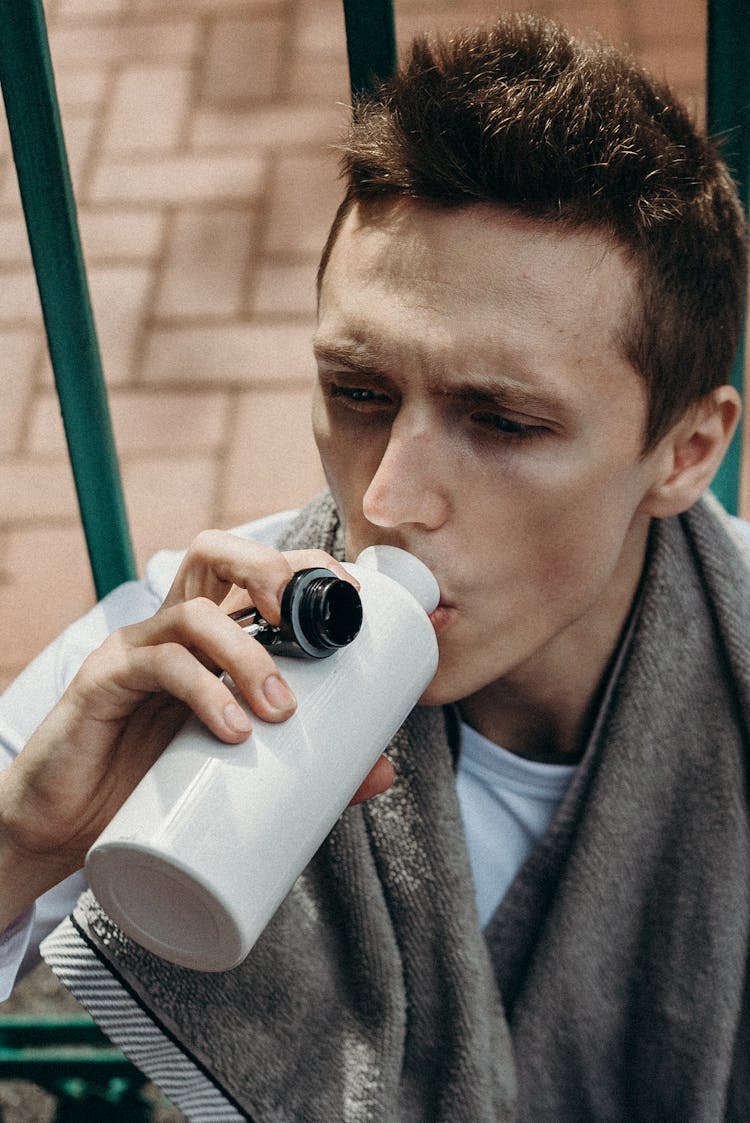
(441, 617)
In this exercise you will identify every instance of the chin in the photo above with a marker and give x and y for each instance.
(442, 691)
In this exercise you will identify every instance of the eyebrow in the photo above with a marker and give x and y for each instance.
(353, 356)
(477, 389)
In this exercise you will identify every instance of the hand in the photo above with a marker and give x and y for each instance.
(129, 699)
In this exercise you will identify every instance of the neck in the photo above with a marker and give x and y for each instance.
(549, 723)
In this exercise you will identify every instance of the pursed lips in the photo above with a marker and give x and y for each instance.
(442, 616)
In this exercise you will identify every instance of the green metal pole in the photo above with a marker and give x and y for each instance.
(729, 119)
(370, 41)
(28, 89)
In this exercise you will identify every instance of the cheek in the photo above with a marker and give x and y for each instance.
(330, 450)
(527, 585)
(349, 459)
(320, 423)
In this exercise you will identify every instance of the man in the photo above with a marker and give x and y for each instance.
(529, 303)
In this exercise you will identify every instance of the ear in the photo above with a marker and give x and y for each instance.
(688, 456)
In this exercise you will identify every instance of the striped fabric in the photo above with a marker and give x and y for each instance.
(126, 1023)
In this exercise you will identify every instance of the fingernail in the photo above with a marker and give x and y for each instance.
(236, 718)
(278, 693)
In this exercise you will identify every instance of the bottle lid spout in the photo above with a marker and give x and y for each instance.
(403, 567)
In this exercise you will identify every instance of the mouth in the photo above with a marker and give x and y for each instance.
(441, 617)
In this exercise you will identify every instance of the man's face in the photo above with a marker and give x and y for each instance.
(474, 408)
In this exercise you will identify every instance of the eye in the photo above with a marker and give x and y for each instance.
(357, 396)
(503, 426)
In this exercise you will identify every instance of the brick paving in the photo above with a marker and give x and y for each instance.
(200, 138)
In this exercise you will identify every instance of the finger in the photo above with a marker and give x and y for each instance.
(377, 781)
(215, 639)
(310, 559)
(239, 598)
(217, 560)
(107, 691)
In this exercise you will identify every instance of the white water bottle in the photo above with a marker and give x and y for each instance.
(203, 852)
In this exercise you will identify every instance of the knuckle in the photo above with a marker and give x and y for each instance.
(190, 613)
(105, 664)
(308, 559)
(200, 607)
(164, 656)
(206, 545)
(322, 558)
(113, 651)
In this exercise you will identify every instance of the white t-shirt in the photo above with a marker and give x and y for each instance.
(507, 805)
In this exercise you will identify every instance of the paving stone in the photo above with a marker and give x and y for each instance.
(14, 243)
(285, 289)
(411, 20)
(303, 200)
(179, 178)
(4, 133)
(320, 29)
(319, 79)
(88, 9)
(168, 38)
(10, 199)
(683, 68)
(149, 107)
(204, 274)
(117, 234)
(272, 462)
(143, 421)
(78, 130)
(590, 19)
(235, 354)
(670, 25)
(317, 68)
(118, 297)
(80, 88)
(169, 501)
(207, 7)
(45, 584)
(243, 60)
(36, 489)
(20, 355)
(19, 298)
(275, 126)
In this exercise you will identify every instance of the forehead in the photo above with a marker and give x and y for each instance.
(476, 289)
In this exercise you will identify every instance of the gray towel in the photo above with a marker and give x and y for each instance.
(610, 983)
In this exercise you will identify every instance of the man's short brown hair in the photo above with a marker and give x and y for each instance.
(522, 114)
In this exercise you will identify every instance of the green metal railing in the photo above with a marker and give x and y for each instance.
(31, 107)
(729, 118)
(370, 41)
(72, 1060)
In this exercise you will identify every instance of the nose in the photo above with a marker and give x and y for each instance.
(409, 485)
